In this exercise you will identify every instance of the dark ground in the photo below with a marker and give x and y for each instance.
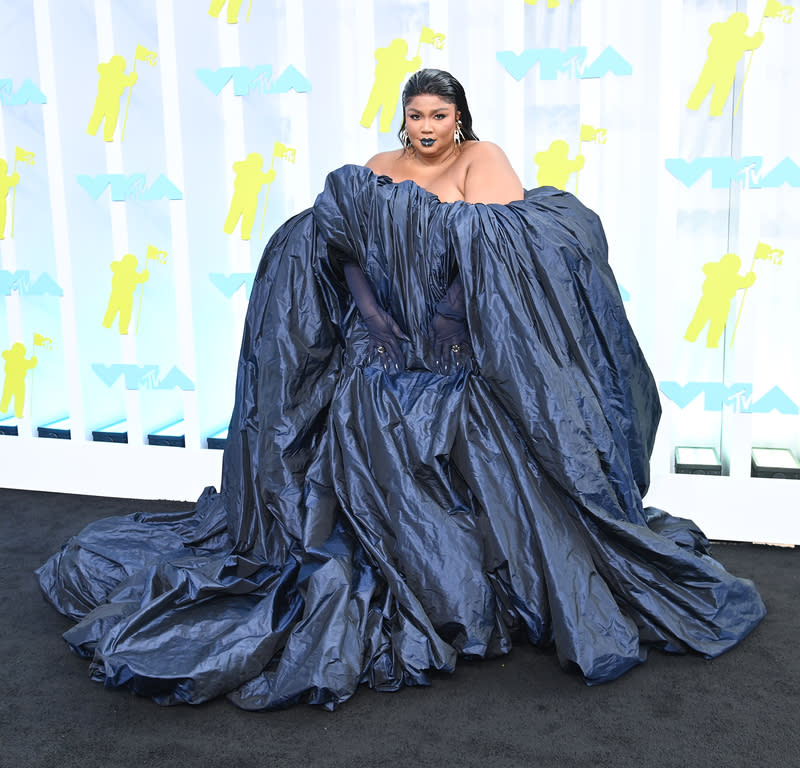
(742, 709)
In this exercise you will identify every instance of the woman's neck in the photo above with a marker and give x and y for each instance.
(432, 161)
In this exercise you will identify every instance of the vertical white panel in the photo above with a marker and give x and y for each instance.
(439, 21)
(58, 207)
(234, 151)
(180, 246)
(513, 108)
(119, 224)
(294, 110)
(16, 330)
(357, 69)
(665, 243)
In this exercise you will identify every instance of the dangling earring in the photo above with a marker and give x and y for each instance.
(405, 138)
(458, 136)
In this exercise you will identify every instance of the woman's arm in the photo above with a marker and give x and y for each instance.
(490, 177)
(448, 328)
(385, 334)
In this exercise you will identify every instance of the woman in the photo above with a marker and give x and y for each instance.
(440, 151)
(442, 154)
(480, 480)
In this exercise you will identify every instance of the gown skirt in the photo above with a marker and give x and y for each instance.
(371, 526)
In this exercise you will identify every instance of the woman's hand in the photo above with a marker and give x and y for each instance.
(448, 336)
(385, 336)
(448, 329)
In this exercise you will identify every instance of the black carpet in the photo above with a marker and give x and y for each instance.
(742, 709)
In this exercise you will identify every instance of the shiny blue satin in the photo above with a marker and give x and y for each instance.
(374, 526)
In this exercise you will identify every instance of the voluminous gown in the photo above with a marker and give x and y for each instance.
(372, 526)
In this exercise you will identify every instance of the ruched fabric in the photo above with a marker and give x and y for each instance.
(373, 526)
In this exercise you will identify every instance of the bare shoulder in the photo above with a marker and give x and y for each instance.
(484, 151)
(384, 162)
(490, 177)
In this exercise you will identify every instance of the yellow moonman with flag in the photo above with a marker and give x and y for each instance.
(249, 178)
(16, 369)
(124, 281)
(112, 83)
(390, 73)
(555, 166)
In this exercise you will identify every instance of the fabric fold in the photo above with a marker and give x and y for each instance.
(371, 527)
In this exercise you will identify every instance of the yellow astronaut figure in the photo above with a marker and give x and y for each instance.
(16, 369)
(391, 70)
(720, 286)
(6, 182)
(123, 284)
(113, 81)
(555, 166)
(233, 9)
(729, 41)
(246, 186)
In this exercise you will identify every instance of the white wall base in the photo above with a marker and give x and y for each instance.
(755, 509)
(108, 469)
(726, 508)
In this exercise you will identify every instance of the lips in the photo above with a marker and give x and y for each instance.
(427, 142)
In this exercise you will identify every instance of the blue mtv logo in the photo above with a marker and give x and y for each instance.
(129, 187)
(738, 397)
(257, 79)
(229, 284)
(571, 61)
(26, 93)
(724, 171)
(142, 376)
(20, 281)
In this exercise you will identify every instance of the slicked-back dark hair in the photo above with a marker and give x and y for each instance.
(437, 82)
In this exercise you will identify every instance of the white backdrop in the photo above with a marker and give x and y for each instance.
(675, 120)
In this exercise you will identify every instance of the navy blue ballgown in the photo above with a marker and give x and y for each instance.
(372, 526)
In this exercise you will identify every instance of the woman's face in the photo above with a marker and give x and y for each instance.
(431, 123)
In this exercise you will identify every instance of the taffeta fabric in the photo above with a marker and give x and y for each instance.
(372, 525)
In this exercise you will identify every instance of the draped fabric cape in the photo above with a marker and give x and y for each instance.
(371, 526)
